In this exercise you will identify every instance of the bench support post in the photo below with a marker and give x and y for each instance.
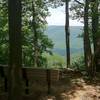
(49, 81)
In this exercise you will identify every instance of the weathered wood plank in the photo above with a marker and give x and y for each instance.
(33, 73)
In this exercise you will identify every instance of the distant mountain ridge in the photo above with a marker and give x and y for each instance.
(57, 34)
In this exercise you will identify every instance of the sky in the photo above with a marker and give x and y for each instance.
(58, 17)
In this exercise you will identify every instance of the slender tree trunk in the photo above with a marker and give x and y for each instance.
(95, 33)
(15, 51)
(87, 46)
(67, 33)
(95, 23)
(35, 36)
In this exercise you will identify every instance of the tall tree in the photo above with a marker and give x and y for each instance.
(67, 33)
(87, 46)
(95, 30)
(35, 43)
(15, 51)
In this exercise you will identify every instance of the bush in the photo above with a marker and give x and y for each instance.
(79, 64)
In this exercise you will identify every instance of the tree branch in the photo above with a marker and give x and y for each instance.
(79, 2)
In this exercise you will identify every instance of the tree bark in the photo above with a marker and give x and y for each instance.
(15, 50)
(95, 33)
(35, 43)
(87, 46)
(67, 33)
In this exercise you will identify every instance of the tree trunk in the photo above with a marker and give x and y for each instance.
(35, 36)
(15, 50)
(95, 33)
(67, 34)
(87, 46)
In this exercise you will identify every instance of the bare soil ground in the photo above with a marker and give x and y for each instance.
(75, 87)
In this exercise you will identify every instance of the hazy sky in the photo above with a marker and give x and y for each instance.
(58, 17)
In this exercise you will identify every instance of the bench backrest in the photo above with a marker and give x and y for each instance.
(34, 73)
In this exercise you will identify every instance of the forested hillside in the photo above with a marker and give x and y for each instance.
(57, 34)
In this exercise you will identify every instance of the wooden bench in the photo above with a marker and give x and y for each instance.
(41, 74)
(32, 74)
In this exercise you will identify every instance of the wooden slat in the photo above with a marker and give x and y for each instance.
(33, 73)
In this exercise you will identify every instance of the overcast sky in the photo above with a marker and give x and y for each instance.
(58, 17)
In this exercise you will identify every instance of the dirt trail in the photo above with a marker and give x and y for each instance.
(83, 91)
(87, 92)
(80, 91)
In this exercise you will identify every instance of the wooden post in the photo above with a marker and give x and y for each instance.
(5, 84)
(24, 73)
(2, 74)
(27, 85)
(48, 80)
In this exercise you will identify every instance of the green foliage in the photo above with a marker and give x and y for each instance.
(34, 25)
(79, 64)
(77, 10)
(44, 43)
(54, 61)
(3, 32)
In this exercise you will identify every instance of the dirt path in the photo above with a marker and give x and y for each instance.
(82, 91)
(79, 91)
(87, 92)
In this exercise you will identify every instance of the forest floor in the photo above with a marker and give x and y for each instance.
(74, 86)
